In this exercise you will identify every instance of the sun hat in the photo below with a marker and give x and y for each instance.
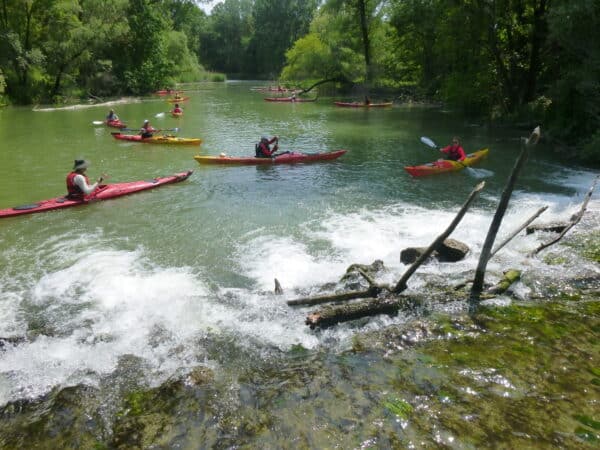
(80, 164)
(264, 138)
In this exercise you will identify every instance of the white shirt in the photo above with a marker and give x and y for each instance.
(79, 180)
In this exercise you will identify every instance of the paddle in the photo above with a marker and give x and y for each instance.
(98, 122)
(476, 173)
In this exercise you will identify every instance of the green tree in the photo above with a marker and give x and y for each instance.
(325, 53)
(224, 42)
(22, 33)
(144, 65)
(574, 87)
(277, 25)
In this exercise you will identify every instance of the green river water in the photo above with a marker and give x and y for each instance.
(150, 321)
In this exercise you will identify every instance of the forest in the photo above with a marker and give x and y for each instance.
(508, 62)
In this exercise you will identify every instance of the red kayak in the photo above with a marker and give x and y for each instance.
(115, 123)
(362, 104)
(290, 99)
(104, 192)
(286, 158)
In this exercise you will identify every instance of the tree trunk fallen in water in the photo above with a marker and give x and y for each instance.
(331, 315)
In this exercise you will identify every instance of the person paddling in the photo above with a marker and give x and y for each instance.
(78, 184)
(263, 148)
(112, 116)
(454, 151)
(177, 109)
(147, 130)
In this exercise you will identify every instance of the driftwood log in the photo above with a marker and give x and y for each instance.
(331, 315)
(552, 227)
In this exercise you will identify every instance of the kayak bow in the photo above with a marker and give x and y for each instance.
(104, 192)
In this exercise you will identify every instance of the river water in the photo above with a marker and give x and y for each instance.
(182, 276)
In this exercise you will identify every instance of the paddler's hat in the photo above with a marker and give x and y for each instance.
(264, 138)
(80, 164)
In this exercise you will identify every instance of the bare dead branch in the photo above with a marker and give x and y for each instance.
(574, 221)
(518, 230)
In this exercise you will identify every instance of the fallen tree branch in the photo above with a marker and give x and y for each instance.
(518, 230)
(401, 284)
(331, 315)
(574, 221)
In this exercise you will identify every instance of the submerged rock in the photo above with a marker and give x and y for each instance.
(450, 250)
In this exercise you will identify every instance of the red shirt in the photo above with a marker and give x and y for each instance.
(454, 152)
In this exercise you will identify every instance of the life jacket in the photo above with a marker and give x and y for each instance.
(453, 153)
(74, 192)
(258, 151)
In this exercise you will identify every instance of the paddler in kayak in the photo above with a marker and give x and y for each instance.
(454, 151)
(112, 116)
(147, 130)
(263, 148)
(177, 109)
(78, 184)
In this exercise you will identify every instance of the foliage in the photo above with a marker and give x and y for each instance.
(574, 115)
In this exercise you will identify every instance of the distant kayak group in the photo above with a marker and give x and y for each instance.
(81, 192)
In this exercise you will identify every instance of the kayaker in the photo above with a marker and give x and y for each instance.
(263, 148)
(177, 109)
(111, 116)
(454, 151)
(78, 184)
(147, 130)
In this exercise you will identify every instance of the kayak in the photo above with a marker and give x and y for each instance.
(167, 91)
(290, 99)
(115, 123)
(178, 100)
(362, 104)
(286, 158)
(171, 140)
(104, 192)
(445, 165)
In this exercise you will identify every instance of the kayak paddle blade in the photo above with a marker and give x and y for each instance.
(425, 140)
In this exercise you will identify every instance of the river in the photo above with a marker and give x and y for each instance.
(137, 290)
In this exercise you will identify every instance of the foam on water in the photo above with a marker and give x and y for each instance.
(84, 303)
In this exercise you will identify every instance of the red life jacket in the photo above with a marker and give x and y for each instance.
(74, 191)
(454, 152)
